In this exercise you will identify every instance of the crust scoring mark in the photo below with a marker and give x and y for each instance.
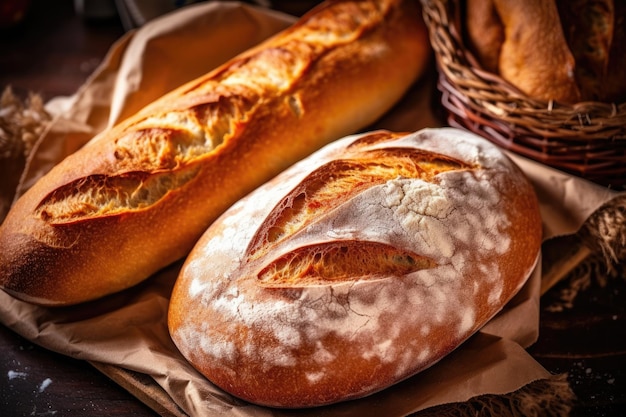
(338, 181)
(326, 188)
(340, 262)
(157, 152)
(101, 195)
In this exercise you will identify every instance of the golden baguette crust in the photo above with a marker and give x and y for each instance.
(534, 55)
(485, 33)
(588, 26)
(356, 268)
(138, 196)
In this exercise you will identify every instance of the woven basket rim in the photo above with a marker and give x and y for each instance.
(586, 138)
(460, 66)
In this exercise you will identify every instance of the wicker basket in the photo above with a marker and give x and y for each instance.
(585, 139)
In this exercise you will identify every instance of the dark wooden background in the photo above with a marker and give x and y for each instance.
(51, 52)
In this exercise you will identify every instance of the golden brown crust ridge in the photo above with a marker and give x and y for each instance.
(138, 196)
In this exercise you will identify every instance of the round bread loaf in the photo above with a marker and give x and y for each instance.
(356, 268)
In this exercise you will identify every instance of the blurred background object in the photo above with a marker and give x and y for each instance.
(95, 9)
(135, 13)
(51, 51)
(51, 47)
(12, 12)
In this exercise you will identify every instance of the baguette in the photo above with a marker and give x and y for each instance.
(588, 26)
(356, 268)
(138, 196)
(534, 55)
(485, 33)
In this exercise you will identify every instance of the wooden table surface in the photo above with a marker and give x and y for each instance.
(51, 53)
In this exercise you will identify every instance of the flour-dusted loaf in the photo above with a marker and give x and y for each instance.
(138, 196)
(356, 268)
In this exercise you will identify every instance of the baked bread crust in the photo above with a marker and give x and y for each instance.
(567, 51)
(534, 55)
(138, 196)
(588, 26)
(356, 268)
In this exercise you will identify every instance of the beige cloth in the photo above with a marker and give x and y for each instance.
(129, 331)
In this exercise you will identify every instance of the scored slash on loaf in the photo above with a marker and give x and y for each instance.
(356, 268)
(139, 195)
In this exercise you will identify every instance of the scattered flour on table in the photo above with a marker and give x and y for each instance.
(45, 384)
(16, 374)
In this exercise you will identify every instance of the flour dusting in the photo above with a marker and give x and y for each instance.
(16, 375)
(45, 384)
(456, 219)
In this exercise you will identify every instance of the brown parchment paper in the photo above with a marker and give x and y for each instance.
(125, 335)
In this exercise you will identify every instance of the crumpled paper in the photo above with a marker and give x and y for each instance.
(126, 335)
